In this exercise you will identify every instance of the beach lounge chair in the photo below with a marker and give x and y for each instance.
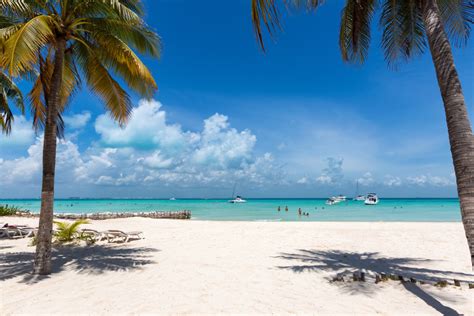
(118, 235)
(96, 235)
(12, 231)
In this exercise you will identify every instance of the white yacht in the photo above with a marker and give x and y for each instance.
(172, 199)
(238, 199)
(340, 198)
(371, 199)
(332, 201)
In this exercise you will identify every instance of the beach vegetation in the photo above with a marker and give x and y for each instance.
(62, 45)
(409, 28)
(8, 210)
(68, 231)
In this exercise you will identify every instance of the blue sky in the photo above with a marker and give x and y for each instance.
(293, 122)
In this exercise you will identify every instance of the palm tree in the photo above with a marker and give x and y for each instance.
(8, 91)
(406, 24)
(64, 41)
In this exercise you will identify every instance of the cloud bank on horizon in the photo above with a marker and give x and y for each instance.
(151, 157)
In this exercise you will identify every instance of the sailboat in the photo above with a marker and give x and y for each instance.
(358, 197)
(238, 198)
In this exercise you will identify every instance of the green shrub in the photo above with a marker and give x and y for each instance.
(68, 232)
(6, 210)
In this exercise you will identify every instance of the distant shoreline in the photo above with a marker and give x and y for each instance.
(219, 199)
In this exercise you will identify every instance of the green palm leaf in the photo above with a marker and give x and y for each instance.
(21, 48)
(354, 35)
(8, 91)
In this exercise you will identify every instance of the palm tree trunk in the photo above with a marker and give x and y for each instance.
(43, 247)
(461, 138)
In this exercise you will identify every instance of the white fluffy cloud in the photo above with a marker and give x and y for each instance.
(22, 133)
(77, 121)
(332, 173)
(423, 180)
(367, 179)
(149, 150)
(392, 181)
(146, 129)
(150, 153)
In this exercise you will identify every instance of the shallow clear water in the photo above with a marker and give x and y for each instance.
(409, 210)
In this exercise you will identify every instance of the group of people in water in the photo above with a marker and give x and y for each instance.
(300, 212)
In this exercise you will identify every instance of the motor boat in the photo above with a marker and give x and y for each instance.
(359, 198)
(371, 199)
(340, 198)
(238, 199)
(332, 201)
(172, 199)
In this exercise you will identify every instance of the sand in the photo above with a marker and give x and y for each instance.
(202, 267)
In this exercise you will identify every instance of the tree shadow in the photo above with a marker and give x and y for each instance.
(340, 262)
(348, 262)
(88, 260)
(430, 300)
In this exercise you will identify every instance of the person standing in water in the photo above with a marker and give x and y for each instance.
(278, 208)
(299, 211)
(286, 208)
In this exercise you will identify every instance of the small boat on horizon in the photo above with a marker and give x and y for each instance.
(238, 199)
(371, 199)
(357, 196)
(172, 199)
(332, 201)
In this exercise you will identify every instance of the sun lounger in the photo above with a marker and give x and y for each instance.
(114, 235)
(11, 231)
(96, 235)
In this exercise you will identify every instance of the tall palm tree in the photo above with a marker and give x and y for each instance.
(8, 91)
(406, 24)
(64, 41)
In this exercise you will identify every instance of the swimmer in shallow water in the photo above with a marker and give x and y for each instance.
(286, 208)
(299, 211)
(278, 209)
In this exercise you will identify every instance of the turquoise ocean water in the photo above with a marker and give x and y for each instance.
(408, 210)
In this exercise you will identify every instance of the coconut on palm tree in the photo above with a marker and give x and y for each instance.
(67, 42)
(409, 27)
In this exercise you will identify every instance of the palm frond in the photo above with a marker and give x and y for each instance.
(265, 13)
(21, 48)
(403, 30)
(135, 34)
(9, 91)
(457, 15)
(100, 81)
(116, 55)
(354, 35)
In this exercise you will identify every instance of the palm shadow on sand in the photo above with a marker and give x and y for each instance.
(88, 260)
(340, 262)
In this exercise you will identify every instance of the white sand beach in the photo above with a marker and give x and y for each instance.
(201, 267)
